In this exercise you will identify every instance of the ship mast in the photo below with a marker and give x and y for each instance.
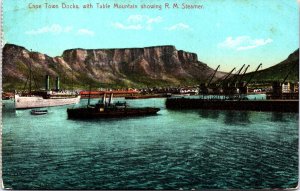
(89, 95)
(30, 73)
(72, 81)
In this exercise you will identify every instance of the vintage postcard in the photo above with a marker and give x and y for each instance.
(150, 94)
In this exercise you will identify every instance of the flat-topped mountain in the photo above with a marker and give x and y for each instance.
(128, 67)
(122, 67)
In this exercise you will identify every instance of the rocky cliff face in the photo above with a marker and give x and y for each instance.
(129, 67)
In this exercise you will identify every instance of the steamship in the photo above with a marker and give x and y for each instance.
(47, 98)
(104, 109)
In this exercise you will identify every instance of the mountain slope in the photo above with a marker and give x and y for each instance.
(130, 67)
(288, 68)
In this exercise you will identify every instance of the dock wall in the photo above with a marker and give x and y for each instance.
(245, 105)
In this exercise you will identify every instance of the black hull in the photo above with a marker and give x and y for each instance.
(244, 105)
(91, 113)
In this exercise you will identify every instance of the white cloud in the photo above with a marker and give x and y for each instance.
(157, 19)
(243, 43)
(85, 32)
(138, 22)
(178, 26)
(68, 29)
(135, 18)
(127, 27)
(53, 29)
(58, 29)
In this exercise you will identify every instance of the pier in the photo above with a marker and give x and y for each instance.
(98, 94)
(244, 105)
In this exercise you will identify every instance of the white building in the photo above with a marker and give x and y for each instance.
(286, 87)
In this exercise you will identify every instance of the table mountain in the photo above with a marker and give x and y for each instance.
(128, 67)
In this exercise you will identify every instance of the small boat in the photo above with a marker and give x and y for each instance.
(38, 112)
(105, 109)
(6, 98)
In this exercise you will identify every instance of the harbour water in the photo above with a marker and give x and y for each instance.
(191, 149)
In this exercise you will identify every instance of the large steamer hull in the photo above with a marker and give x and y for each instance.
(38, 102)
(88, 113)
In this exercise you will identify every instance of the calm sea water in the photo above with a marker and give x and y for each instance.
(194, 149)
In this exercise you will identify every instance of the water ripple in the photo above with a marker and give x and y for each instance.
(174, 150)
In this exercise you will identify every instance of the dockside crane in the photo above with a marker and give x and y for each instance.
(223, 81)
(204, 86)
(243, 89)
(235, 77)
(289, 72)
(277, 86)
(243, 74)
(241, 84)
(213, 76)
(229, 88)
(249, 80)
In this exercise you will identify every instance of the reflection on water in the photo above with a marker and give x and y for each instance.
(190, 149)
(229, 117)
(237, 117)
(211, 114)
(278, 117)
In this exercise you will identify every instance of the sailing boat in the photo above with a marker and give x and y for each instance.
(43, 99)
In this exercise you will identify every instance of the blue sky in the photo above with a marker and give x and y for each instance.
(226, 32)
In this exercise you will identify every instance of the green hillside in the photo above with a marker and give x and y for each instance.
(288, 69)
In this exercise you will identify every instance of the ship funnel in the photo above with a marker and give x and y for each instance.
(47, 83)
(104, 98)
(57, 84)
